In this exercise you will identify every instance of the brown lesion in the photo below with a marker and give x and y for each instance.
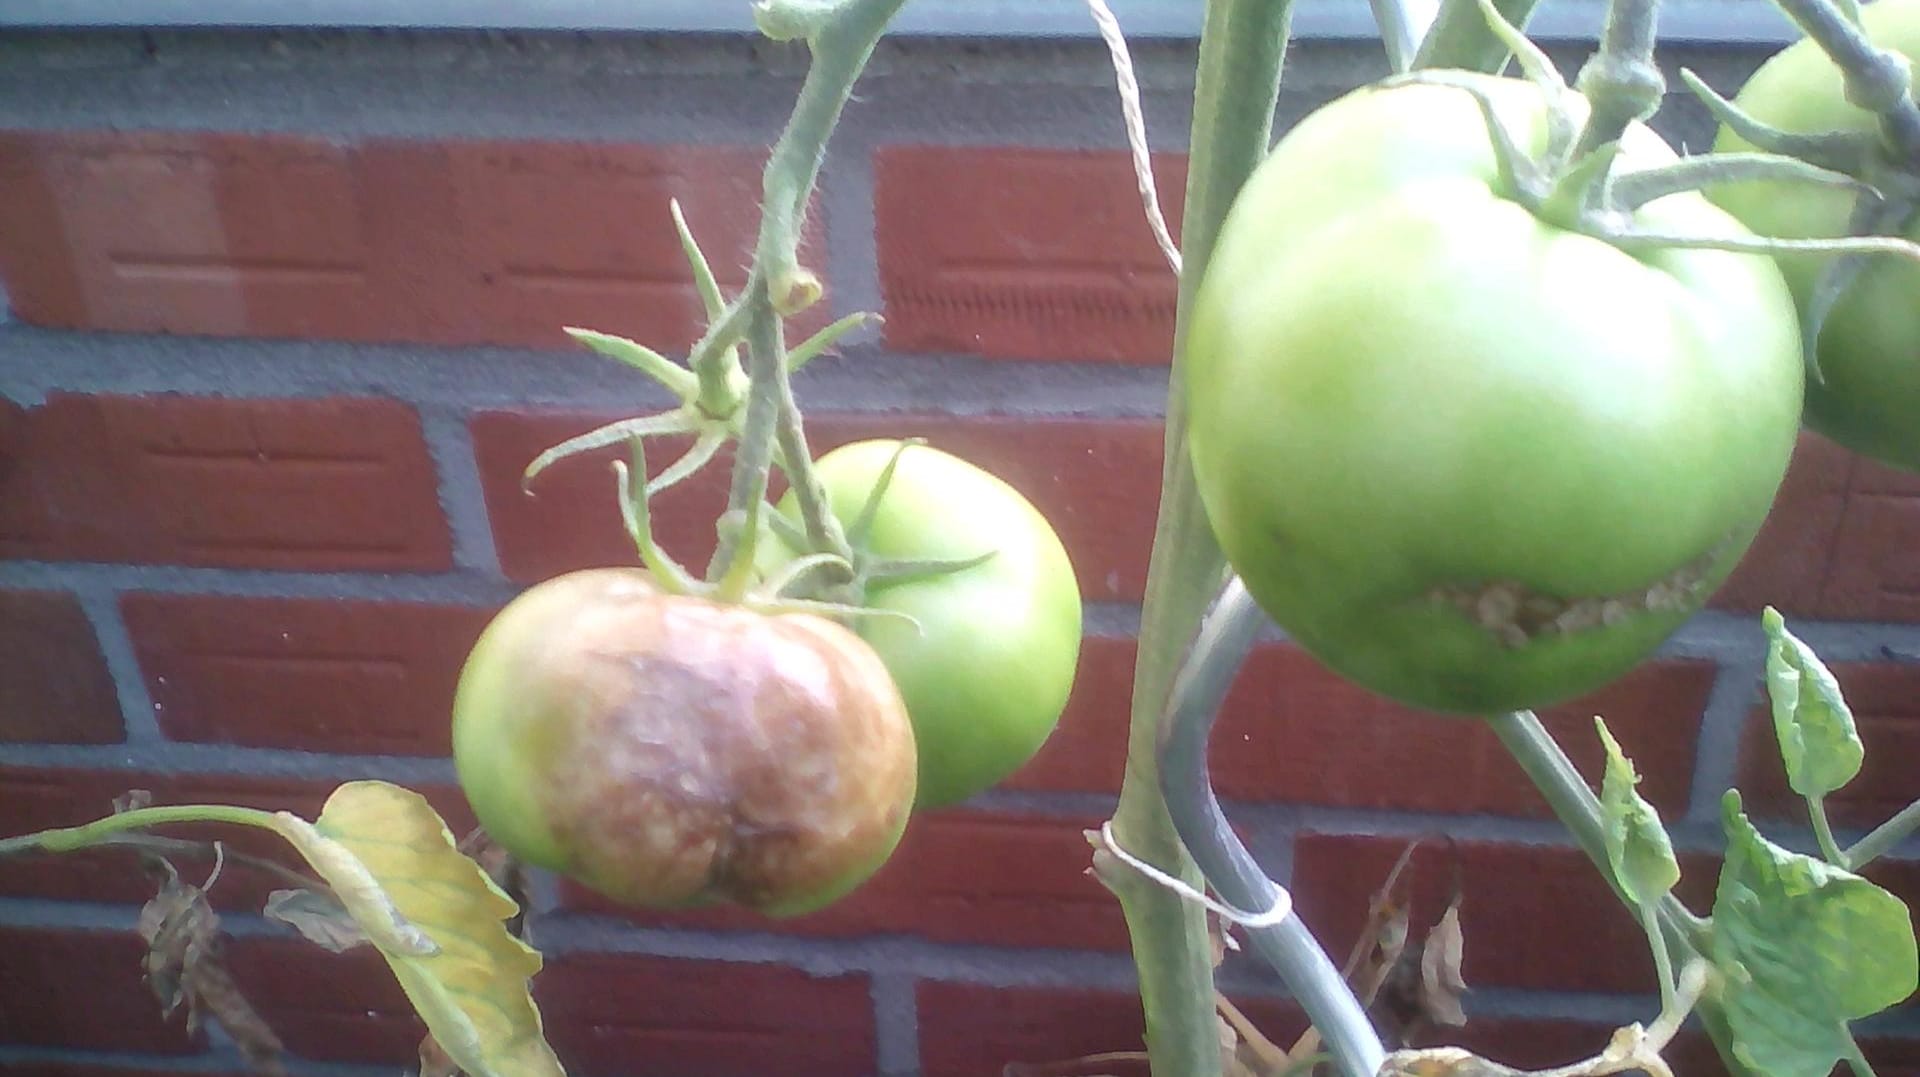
(1516, 615)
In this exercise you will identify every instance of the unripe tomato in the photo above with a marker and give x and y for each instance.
(1868, 394)
(667, 751)
(987, 669)
(1471, 460)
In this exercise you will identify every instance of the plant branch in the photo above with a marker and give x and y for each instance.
(1857, 1059)
(1460, 37)
(1621, 81)
(1878, 80)
(1401, 31)
(1823, 833)
(112, 827)
(1226, 635)
(1884, 837)
(1237, 83)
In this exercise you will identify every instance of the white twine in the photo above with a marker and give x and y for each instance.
(1282, 900)
(1136, 124)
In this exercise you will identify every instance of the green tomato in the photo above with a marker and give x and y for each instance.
(1868, 394)
(1470, 460)
(987, 669)
(670, 751)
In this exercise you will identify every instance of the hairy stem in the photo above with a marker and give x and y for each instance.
(1621, 81)
(1878, 80)
(1460, 37)
(1237, 85)
(1884, 837)
(1226, 636)
(1401, 30)
(112, 827)
(1823, 833)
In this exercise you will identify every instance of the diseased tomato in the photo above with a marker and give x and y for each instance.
(666, 750)
(1868, 395)
(1471, 460)
(987, 671)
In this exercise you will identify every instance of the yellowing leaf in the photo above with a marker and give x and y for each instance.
(438, 920)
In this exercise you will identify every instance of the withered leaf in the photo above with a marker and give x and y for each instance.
(434, 1060)
(184, 968)
(507, 873)
(1441, 983)
(319, 916)
(132, 800)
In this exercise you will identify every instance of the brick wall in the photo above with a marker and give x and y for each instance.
(285, 329)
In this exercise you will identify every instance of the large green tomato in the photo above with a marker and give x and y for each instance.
(1868, 395)
(670, 751)
(987, 670)
(1468, 459)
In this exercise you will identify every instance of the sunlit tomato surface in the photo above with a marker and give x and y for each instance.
(987, 669)
(668, 751)
(1868, 395)
(1470, 460)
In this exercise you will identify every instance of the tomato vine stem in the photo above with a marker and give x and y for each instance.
(1226, 636)
(1878, 80)
(1460, 37)
(70, 838)
(1621, 81)
(1884, 837)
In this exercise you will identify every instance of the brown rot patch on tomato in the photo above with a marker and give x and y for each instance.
(1515, 615)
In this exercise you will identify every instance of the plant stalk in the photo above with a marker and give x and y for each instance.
(1884, 837)
(1226, 636)
(1621, 81)
(1823, 833)
(69, 838)
(1876, 79)
(1460, 37)
(1237, 85)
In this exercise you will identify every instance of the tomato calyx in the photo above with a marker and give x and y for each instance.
(1573, 185)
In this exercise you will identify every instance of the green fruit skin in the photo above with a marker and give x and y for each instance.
(987, 672)
(1867, 397)
(671, 752)
(1402, 385)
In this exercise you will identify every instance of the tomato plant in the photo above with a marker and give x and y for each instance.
(1866, 394)
(987, 660)
(1469, 458)
(668, 750)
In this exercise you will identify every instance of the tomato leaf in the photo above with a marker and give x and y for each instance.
(1805, 947)
(1810, 719)
(1638, 848)
(437, 919)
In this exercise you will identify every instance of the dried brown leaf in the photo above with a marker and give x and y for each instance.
(1442, 985)
(1257, 1053)
(183, 967)
(1084, 1066)
(434, 1061)
(507, 873)
(318, 916)
(132, 800)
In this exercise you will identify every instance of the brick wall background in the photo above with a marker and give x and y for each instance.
(284, 329)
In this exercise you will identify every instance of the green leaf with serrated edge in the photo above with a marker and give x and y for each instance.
(437, 919)
(1810, 718)
(1804, 948)
(1637, 845)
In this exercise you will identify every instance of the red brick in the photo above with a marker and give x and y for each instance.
(456, 242)
(33, 799)
(959, 877)
(332, 675)
(1293, 732)
(1093, 478)
(1023, 253)
(54, 684)
(1843, 542)
(333, 484)
(13, 1068)
(969, 1030)
(1534, 917)
(331, 1007)
(612, 1014)
(1885, 700)
(62, 988)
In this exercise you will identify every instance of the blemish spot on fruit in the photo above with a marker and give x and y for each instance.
(1516, 616)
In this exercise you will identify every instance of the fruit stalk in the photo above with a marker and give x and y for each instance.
(1236, 87)
(1226, 636)
(1878, 80)
(1460, 37)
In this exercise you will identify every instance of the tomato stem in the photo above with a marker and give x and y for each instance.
(1460, 37)
(1621, 81)
(1884, 837)
(1226, 636)
(70, 838)
(1878, 80)
(1237, 83)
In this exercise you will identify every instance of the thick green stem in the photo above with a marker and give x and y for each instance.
(1884, 837)
(1823, 833)
(1857, 1059)
(1460, 37)
(1400, 31)
(1662, 955)
(1237, 85)
(68, 839)
(1878, 80)
(1621, 81)
(753, 460)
